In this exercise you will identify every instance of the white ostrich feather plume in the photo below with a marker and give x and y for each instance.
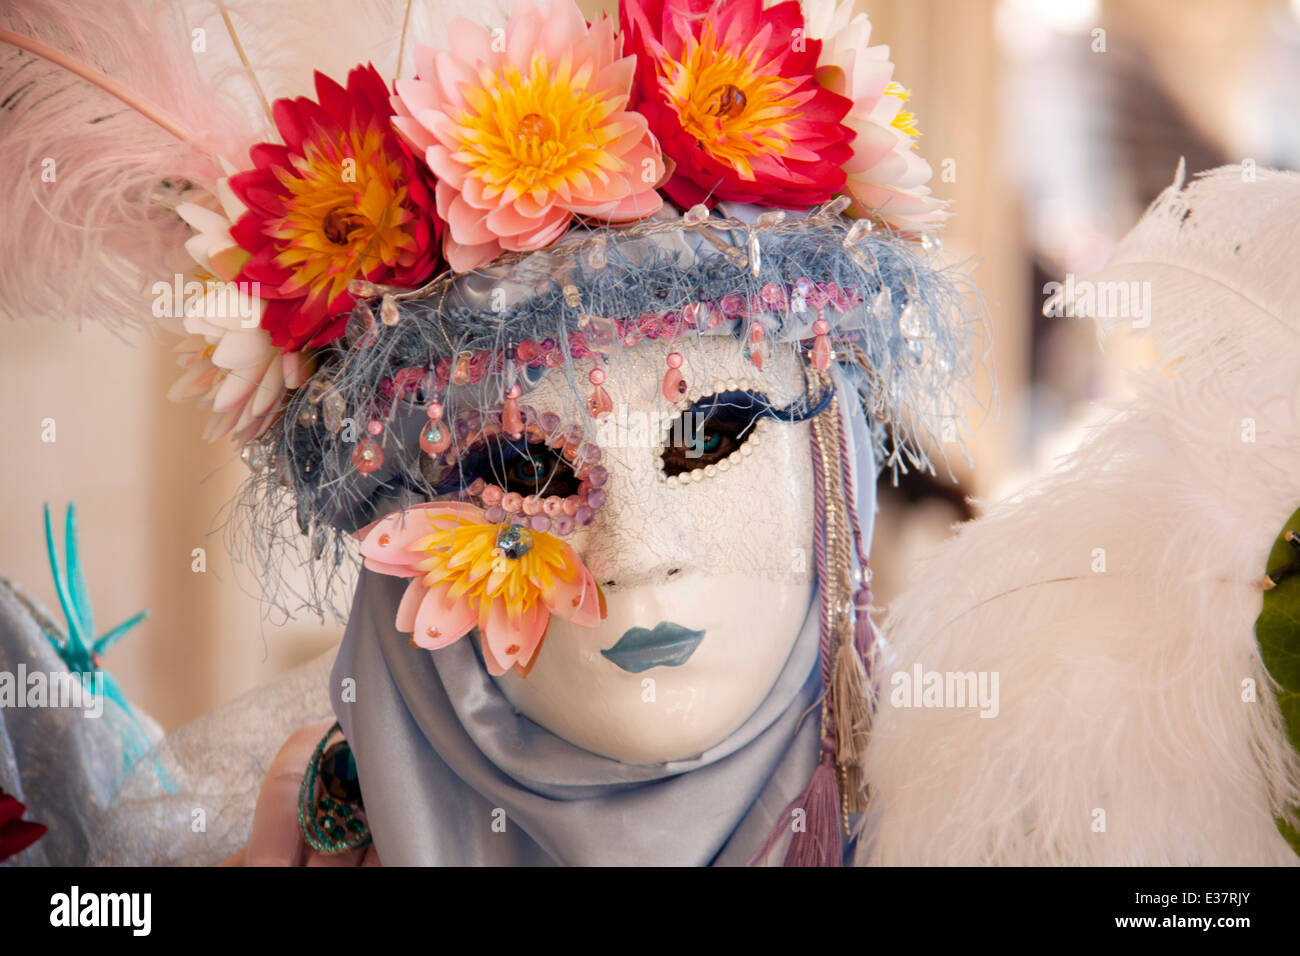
(1121, 690)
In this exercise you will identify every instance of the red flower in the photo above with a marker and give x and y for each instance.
(730, 91)
(16, 834)
(342, 199)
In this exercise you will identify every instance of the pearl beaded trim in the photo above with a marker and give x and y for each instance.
(696, 475)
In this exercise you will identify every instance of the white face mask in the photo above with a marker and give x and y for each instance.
(729, 555)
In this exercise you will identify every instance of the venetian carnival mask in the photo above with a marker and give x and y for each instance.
(622, 466)
(706, 583)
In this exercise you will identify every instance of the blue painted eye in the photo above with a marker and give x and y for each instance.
(525, 469)
(711, 430)
(533, 469)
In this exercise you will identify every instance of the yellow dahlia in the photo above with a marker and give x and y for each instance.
(467, 572)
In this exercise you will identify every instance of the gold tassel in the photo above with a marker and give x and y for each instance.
(849, 694)
(852, 722)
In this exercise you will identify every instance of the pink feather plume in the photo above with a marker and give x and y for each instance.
(90, 182)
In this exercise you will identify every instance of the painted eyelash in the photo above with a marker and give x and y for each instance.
(742, 400)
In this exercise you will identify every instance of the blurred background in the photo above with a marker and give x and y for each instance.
(1050, 125)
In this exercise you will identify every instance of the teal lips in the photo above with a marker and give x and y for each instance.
(668, 645)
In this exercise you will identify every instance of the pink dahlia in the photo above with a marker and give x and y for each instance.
(528, 131)
(342, 199)
(729, 90)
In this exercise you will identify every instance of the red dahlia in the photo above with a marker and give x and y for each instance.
(16, 834)
(342, 199)
(730, 91)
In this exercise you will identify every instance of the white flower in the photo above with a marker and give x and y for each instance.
(886, 176)
(230, 364)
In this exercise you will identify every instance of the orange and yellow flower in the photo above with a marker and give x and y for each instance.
(467, 572)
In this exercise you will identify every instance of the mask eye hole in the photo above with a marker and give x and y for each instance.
(529, 468)
(535, 469)
(711, 430)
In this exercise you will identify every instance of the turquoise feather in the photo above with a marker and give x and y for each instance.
(79, 649)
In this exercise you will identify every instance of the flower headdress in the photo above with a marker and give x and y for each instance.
(398, 259)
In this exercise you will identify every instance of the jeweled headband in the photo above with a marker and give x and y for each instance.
(375, 290)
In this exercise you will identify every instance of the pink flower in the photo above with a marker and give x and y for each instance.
(524, 132)
(467, 572)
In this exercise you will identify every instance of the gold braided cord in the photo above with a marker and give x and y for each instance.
(813, 384)
(839, 616)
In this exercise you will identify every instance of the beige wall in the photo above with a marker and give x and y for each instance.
(148, 491)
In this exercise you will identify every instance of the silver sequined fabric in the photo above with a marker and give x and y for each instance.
(188, 802)
(191, 803)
